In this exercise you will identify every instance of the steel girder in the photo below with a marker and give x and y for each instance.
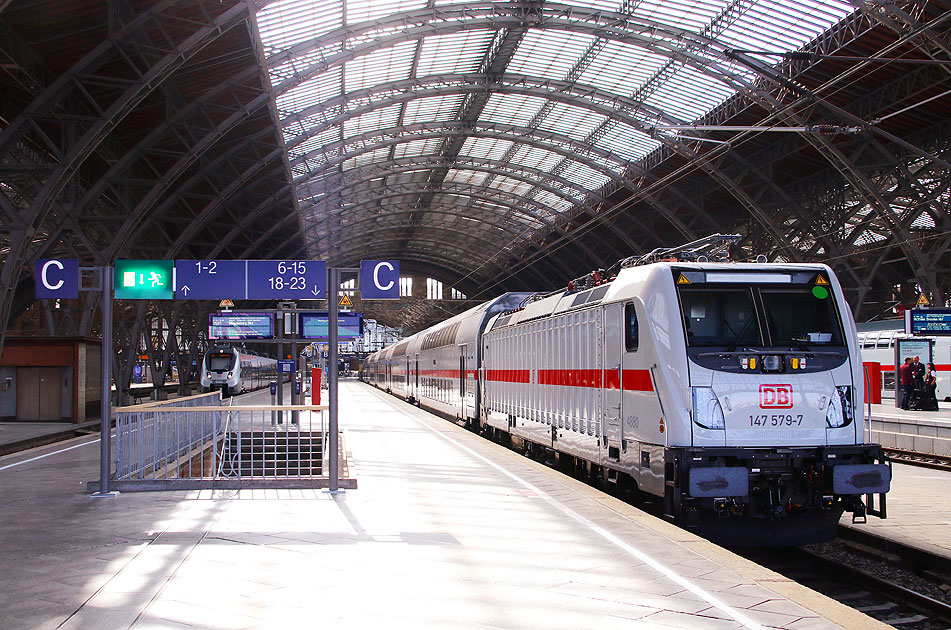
(146, 64)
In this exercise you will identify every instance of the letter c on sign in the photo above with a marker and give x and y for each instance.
(376, 276)
(43, 270)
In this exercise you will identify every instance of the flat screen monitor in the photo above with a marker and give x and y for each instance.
(316, 326)
(240, 326)
(932, 321)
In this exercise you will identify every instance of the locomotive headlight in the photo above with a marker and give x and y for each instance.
(706, 409)
(208, 375)
(230, 374)
(840, 412)
(771, 363)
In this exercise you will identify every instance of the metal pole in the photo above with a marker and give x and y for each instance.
(105, 364)
(280, 357)
(332, 290)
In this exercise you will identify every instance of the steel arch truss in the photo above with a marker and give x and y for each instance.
(133, 151)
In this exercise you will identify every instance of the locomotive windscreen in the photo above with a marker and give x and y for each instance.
(220, 361)
(773, 314)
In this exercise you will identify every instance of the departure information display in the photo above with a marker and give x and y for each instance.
(317, 325)
(929, 321)
(240, 326)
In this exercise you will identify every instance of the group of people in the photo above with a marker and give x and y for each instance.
(918, 384)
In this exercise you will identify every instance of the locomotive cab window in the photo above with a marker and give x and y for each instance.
(801, 315)
(715, 316)
(220, 362)
(630, 328)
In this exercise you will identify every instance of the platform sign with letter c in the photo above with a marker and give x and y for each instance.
(57, 278)
(380, 279)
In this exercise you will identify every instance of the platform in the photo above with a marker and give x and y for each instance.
(447, 530)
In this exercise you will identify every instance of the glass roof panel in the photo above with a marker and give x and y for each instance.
(549, 54)
(434, 108)
(454, 53)
(380, 66)
(491, 148)
(536, 157)
(465, 176)
(574, 122)
(288, 22)
(417, 147)
(366, 10)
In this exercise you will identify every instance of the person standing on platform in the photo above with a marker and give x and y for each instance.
(917, 374)
(906, 379)
(931, 385)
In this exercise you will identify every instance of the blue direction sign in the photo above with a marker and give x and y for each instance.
(380, 279)
(57, 278)
(287, 279)
(210, 279)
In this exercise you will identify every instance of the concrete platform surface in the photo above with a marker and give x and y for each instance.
(918, 510)
(447, 530)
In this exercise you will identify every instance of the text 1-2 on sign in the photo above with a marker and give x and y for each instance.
(210, 279)
(287, 279)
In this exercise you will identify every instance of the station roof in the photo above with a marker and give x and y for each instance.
(496, 145)
(458, 133)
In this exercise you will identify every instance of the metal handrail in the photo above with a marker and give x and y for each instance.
(224, 436)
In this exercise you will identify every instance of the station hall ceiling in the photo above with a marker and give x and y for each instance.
(503, 145)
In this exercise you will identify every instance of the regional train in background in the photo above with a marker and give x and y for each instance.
(877, 341)
(235, 371)
(732, 392)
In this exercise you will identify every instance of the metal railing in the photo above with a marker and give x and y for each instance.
(202, 443)
(152, 436)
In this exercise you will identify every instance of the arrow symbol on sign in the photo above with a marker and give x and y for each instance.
(315, 291)
(185, 290)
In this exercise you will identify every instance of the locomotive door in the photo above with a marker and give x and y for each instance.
(611, 389)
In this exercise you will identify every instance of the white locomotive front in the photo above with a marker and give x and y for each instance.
(732, 392)
(233, 371)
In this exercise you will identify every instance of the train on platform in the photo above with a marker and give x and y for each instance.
(730, 392)
(235, 371)
(877, 341)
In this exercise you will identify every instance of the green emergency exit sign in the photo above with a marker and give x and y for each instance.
(144, 279)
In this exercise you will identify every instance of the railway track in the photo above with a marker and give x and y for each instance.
(896, 584)
(938, 462)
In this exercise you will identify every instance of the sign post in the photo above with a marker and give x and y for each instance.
(105, 363)
(333, 288)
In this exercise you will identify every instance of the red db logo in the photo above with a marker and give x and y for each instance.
(775, 396)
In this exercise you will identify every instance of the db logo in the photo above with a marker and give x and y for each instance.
(775, 396)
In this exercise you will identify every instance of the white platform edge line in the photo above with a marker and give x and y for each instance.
(62, 450)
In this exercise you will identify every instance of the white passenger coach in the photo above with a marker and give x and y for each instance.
(733, 392)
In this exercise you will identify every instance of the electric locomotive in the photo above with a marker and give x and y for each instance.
(731, 392)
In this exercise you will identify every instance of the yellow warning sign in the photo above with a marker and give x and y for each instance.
(683, 279)
(225, 304)
(821, 280)
(345, 300)
(923, 301)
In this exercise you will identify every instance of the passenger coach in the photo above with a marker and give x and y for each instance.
(732, 392)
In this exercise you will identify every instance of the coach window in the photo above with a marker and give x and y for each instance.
(630, 328)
